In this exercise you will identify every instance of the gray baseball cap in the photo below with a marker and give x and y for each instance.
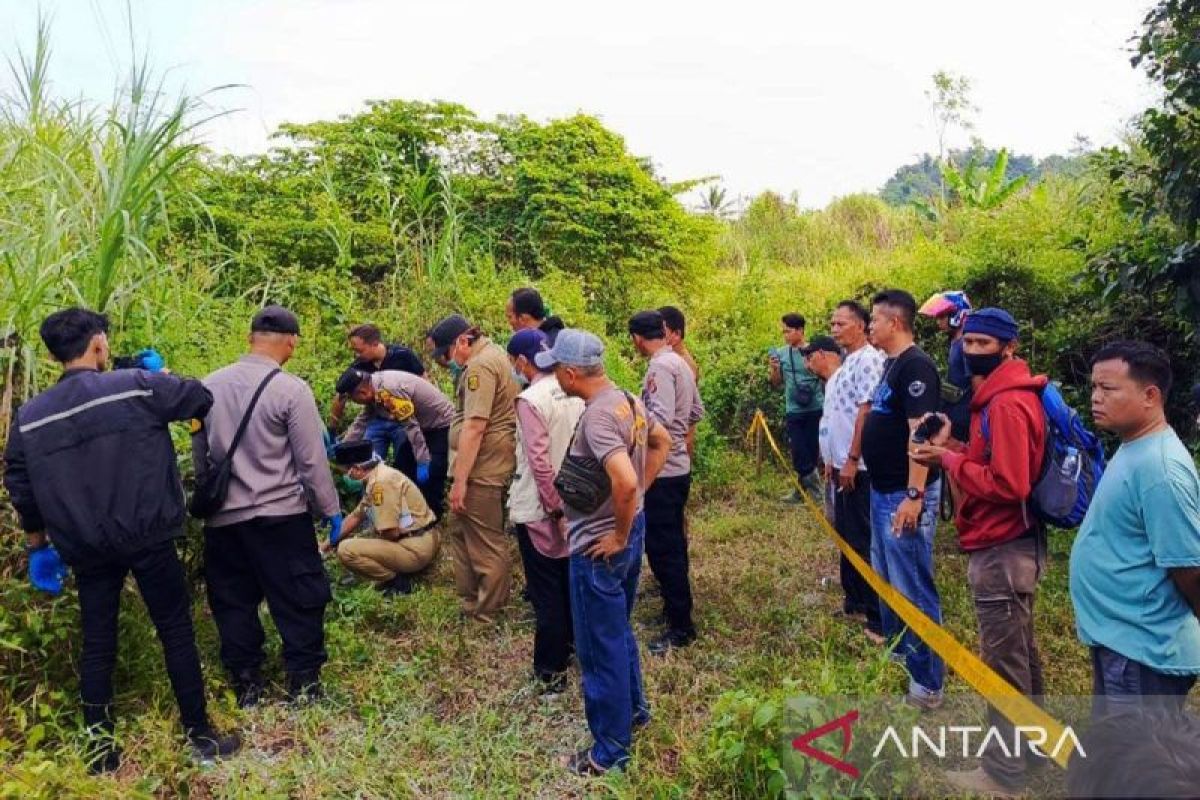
(572, 348)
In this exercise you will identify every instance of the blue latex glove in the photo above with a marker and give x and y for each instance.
(47, 570)
(423, 473)
(331, 442)
(335, 528)
(151, 359)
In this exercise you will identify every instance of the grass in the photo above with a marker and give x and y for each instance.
(422, 704)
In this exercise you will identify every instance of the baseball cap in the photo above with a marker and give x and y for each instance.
(275, 319)
(572, 348)
(823, 343)
(350, 380)
(446, 331)
(648, 324)
(527, 342)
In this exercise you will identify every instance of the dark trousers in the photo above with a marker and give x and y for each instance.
(272, 558)
(852, 519)
(667, 549)
(163, 586)
(434, 490)
(547, 580)
(1003, 580)
(803, 431)
(1122, 685)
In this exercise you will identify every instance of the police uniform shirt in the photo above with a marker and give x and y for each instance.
(671, 397)
(410, 400)
(387, 494)
(486, 390)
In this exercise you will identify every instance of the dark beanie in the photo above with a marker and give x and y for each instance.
(994, 322)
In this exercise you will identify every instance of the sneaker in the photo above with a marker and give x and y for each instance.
(399, 585)
(304, 689)
(552, 684)
(102, 755)
(671, 640)
(792, 498)
(923, 702)
(208, 745)
(248, 688)
(583, 764)
(978, 781)
(812, 484)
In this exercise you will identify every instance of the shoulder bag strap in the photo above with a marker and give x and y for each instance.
(237, 437)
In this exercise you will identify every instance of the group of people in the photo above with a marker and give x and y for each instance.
(867, 406)
(588, 475)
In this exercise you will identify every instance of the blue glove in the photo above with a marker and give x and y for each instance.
(335, 528)
(47, 570)
(331, 443)
(151, 359)
(423, 473)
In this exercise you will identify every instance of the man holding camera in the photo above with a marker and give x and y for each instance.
(803, 400)
(1004, 542)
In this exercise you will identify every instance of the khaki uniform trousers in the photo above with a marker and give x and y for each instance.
(482, 558)
(381, 560)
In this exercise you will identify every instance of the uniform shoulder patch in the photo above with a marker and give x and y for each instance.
(472, 383)
(398, 408)
(916, 388)
(377, 495)
(196, 425)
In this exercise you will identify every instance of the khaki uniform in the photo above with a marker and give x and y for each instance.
(482, 561)
(387, 495)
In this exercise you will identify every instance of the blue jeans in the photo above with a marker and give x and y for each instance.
(1120, 684)
(602, 594)
(384, 434)
(906, 562)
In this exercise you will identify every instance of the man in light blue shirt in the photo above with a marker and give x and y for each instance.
(1135, 565)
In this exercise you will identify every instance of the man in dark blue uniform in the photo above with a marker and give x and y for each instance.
(78, 493)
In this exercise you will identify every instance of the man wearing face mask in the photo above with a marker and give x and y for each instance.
(1005, 543)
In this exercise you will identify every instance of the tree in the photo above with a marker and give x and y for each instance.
(950, 103)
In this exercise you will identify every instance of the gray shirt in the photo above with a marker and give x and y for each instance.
(280, 467)
(608, 426)
(410, 400)
(671, 397)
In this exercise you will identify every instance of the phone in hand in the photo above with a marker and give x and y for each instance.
(927, 429)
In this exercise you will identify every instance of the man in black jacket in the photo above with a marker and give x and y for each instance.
(90, 465)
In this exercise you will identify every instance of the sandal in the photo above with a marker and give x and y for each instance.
(581, 763)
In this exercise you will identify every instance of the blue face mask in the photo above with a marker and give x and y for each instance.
(519, 378)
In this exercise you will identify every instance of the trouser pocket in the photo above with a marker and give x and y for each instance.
(309, 581)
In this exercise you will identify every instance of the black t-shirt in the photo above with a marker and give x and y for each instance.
(910, 388)
(398, 357)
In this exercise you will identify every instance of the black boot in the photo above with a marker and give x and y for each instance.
(248, 687)
(672, 640)
(101, 751)
(401, 584)
(304, 687)
(208, 745)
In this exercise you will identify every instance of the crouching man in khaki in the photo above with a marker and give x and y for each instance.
(406, 539)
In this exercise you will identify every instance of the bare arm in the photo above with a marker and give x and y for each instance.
(336, 409)
(1188, 581)
(658, 447)
(624, 493)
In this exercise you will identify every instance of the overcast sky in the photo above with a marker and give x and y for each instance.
(820, 98)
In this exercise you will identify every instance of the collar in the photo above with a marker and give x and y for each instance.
(255, 358)
(73, 371)
(476, 348)
(666, 348)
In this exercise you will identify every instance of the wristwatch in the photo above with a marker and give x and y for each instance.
(914, 494)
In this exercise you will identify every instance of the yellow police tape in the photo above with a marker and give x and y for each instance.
(1018, 708)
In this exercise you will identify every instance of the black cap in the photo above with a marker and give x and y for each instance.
(350, 380)
(824, 343)
(348, 454)
(275, 319)
(446, 332)
(647, 324)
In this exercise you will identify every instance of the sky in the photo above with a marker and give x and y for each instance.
(822, 99)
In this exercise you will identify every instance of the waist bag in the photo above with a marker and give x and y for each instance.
(582, 482)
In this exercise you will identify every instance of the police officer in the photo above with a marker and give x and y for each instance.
(262, 542)
(373, 355)
(422, 412)
(91, 468)
(483, 437)
(670, 394)
(406, 539)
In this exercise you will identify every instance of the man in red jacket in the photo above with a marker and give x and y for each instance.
(1005, 543)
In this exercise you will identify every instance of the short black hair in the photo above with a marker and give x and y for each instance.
(528, 300)
(856, 308)
(794, 321)
(1137, 754)
(1147, 363)
(68, 333)
(674, 320)
(370, 334)
(902, 304)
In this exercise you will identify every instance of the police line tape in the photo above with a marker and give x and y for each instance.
(1016, 707)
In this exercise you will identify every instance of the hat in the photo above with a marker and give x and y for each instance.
(351, 454)
(350, 380)
(275, 319)
(528, 342)
(446, 332)
(994, 322)
(952, 303)
(572, 348)
(823, 343)
(648, 324)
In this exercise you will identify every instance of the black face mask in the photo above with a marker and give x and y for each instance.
(983, 365)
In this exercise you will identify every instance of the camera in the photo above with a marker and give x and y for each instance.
(927, 429)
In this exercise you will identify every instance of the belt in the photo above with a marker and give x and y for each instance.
(419, 531)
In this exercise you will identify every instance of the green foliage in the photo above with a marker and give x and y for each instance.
(976, 188)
